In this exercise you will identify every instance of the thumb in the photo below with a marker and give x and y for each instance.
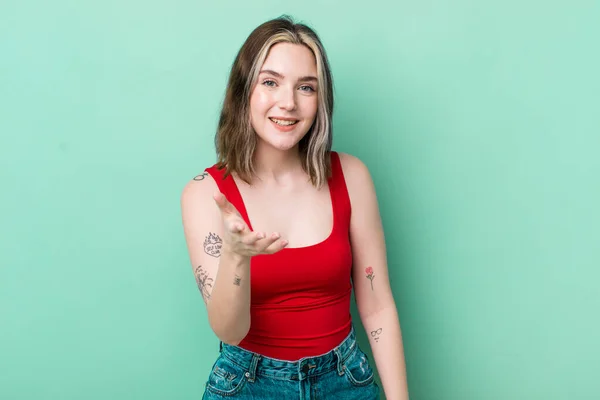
(224, 205)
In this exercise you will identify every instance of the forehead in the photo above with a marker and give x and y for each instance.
(291, 60)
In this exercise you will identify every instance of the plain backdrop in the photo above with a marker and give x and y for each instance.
(479, 122)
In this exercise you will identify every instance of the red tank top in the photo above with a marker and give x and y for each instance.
(300, 297)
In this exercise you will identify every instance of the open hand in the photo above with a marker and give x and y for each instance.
(237, 236)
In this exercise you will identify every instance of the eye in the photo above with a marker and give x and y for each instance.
(307, 88)
(269, 83)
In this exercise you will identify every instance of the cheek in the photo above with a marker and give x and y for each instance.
(260, 102)
(311, 108)
(259, 107)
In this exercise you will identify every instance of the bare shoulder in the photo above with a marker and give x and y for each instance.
(356, 174)
(198, 191)
(351, 163)
(200, 214)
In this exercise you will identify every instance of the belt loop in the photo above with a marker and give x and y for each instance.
(251, 374)
(340, 364)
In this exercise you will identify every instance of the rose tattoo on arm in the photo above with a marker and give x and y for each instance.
(370, 275)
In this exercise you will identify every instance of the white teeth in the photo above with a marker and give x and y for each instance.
(282, 122)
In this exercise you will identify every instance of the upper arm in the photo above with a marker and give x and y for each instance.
(202, 226)
(372, 290)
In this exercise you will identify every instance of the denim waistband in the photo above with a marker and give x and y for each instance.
(258, 365)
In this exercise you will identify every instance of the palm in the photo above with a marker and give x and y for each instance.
(239, 238)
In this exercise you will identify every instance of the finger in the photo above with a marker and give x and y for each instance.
(241, 227)
(252, 238)
(273, 244)
(238, 227)
(267, 241)
(276, 246)
(224, 205)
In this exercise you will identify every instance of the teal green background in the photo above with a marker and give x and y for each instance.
(479, 122)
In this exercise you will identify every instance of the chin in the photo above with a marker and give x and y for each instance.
(283, 145)
(280, 141)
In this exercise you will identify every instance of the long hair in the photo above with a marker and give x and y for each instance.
(236, 140)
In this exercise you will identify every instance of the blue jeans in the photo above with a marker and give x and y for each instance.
(342, 374)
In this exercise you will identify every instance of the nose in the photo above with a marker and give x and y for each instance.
(287, 98)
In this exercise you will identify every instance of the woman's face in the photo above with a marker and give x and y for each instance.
(283, 104)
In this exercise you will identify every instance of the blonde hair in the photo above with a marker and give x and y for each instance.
(235, 140)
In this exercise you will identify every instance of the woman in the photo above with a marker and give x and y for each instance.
(281, 228)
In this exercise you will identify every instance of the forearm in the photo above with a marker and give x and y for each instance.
(229, 304)
(385, 338)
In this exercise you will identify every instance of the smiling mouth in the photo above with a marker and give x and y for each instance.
(282, 122)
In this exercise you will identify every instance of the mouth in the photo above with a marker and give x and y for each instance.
(284, 122)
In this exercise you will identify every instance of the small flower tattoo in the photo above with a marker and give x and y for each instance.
(370, 275)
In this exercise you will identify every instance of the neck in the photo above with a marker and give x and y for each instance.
(277, 166)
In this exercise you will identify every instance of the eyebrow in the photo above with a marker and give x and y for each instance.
(278, 75)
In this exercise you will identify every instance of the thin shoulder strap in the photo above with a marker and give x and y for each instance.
(228, 187)
(339, 191)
